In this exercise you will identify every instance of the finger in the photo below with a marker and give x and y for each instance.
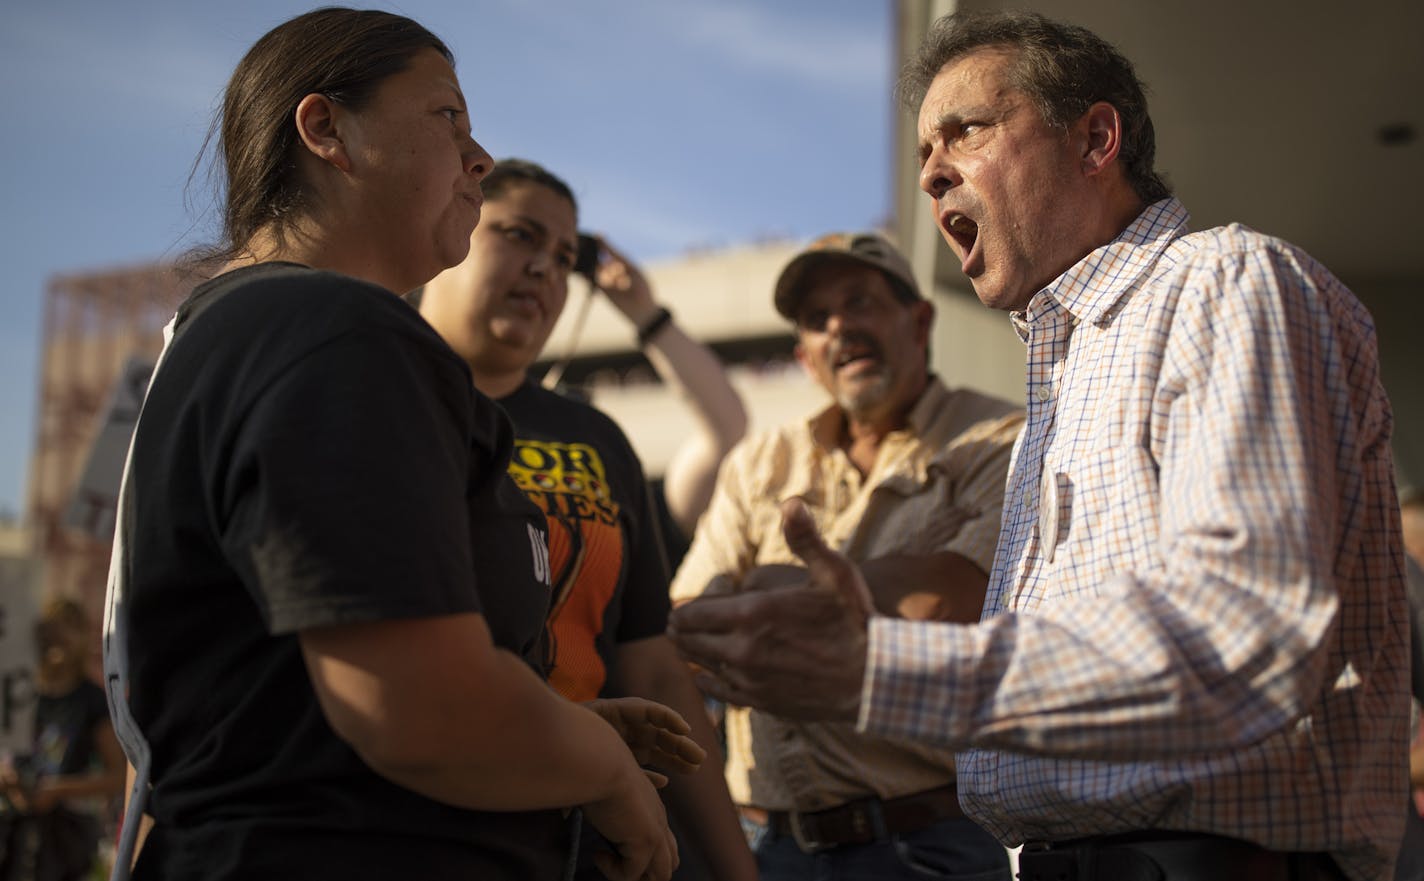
(683, 747)
(658, 780)
(824, 564)
(666, 718)
(720, 689)
(679, 754)
(718, 614)
(615, 867)
(673, 857)
(720, 585)
(705, 651)
(664, 860)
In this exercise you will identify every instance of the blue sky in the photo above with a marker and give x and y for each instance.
(679, 124)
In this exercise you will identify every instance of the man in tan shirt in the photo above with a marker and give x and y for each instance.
(906, 477)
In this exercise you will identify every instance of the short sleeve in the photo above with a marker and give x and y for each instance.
(344, 498)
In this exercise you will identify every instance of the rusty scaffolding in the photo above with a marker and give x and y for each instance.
(93, 323)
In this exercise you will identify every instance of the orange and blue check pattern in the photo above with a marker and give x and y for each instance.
(1196, 618)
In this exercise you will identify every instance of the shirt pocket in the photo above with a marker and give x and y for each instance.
(1098, 514)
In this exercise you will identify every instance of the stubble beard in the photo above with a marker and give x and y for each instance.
(866, 397)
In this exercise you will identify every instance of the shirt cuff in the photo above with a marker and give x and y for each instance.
(914, 684)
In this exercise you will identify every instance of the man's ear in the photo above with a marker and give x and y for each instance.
(924, 320)
(316, 118)
(800, 354)
(1101, 129)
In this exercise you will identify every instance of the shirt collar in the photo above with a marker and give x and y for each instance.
(1094, 288)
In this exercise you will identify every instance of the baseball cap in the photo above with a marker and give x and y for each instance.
(871, 249)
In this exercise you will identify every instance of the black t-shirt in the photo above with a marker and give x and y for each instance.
(605, 550)
(312, 454)
(64, 731)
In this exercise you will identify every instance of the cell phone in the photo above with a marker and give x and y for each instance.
(586, 261)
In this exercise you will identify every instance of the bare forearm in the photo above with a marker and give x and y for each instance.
(432, 706)
(534, 750)
(933, 587)
(699, 375)
(699, 800)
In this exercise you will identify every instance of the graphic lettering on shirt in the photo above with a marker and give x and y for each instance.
(540, 551)
(569, 483)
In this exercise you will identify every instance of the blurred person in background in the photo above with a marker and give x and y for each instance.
(906, 475)
(60, 797)
(325, 632)
(496, 310)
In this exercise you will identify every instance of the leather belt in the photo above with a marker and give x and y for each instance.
(862, 821)
(1168, 856)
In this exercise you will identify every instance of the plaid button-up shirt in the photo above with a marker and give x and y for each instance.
(1196, 618)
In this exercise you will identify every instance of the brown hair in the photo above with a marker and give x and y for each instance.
(507, 172)
(344, 54)
(1064, 69)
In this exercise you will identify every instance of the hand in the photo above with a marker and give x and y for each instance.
(766, 577)
(11, 789)
(656, 735)
(621, 280)
(634, 822)
(796, 651)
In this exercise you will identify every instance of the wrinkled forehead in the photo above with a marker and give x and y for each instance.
(977, 80)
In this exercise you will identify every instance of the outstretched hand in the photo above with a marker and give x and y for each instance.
(656, 735)
(796, 651)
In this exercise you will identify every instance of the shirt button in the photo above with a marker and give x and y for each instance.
(1043, 392)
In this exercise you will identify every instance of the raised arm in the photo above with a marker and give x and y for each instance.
(699, 377)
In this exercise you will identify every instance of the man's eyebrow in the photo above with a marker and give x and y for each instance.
(945, 119)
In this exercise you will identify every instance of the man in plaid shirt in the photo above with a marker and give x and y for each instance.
(1193, 658)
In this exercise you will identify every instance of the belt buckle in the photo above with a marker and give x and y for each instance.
(803, 839)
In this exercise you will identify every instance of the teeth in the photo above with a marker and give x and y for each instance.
(962, 224)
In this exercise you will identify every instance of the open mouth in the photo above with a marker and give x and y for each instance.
(856, 356)
(962, 230)
(963, 234)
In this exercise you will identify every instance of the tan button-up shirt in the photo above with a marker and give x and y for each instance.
(937, 485)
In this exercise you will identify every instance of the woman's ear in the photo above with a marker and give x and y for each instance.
(316, 119)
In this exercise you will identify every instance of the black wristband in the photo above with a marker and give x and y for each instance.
(662, 318)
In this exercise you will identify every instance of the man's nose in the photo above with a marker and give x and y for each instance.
(937, 176)
(837, 320)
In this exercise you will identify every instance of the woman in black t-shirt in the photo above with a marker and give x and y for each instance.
(332, 596)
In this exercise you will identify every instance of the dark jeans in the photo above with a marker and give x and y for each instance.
(952, 849)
